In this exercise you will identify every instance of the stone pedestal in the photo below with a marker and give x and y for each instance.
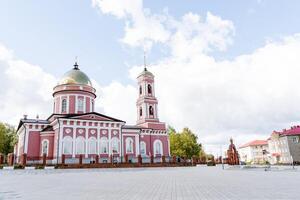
(163, 159)
(63, 159)
(23, 159)
(80, 159)
(152, 159)
(97, 159)
(1, 159)
(44, 159)
(140, 160)
(174, 159)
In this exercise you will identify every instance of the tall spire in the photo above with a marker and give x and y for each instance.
(145, 65)
(76, 65)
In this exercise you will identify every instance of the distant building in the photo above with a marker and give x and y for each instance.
(232, 154)
(284, 146)
(254, 152)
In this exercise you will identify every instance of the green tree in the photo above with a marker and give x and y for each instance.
(184, 143)
(8, 138)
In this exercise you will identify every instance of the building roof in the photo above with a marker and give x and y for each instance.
(47, 128)
(89, 113)
(255, 143)
(75, 76)
(146, 72)
(34, 121)
(294, 130)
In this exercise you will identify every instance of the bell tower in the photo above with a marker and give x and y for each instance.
(146, 103)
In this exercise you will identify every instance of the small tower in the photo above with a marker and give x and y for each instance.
(146, 103)
(74, 93)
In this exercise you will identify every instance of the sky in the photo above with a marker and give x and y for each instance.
(222, 69)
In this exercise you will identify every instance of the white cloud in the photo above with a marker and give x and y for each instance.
(245, 98)
(25, 88)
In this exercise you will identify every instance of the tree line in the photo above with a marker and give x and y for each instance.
(185, 144)
(8, 138)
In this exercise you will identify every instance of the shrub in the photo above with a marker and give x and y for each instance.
(39, 167)
(211, 163)
(18, 166)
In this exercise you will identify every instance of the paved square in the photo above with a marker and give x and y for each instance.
(150, 183)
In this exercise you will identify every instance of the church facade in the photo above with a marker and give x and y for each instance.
(75, 130)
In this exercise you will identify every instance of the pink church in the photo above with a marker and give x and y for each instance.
(75, 130)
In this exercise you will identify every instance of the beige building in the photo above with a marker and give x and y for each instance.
(254, 152)
(284, 146)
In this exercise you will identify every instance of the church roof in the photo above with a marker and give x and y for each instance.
(75, 76)
(84, 114)
(34, 121)
(47, 128)
(145, 72)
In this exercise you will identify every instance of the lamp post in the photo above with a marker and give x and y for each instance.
(221, 156)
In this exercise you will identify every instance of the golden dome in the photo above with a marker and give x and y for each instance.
(75, 76)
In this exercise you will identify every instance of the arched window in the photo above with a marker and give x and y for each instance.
(92, 145)
(45, 147)
(80, 145)
(80, 105)
(158, 147)
(141, 91)
(149, 89)
(67, 145)
(92, 109)
(104, 145)
(141, 111)
(115, 145)
(129, 145)
(143, 148)
(64, 105)
(150, 110)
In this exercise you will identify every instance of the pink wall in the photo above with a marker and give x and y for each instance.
(50, 138)
(72, 104)
(33, 151)
(87, 100)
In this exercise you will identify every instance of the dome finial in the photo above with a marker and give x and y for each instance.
(76, 65)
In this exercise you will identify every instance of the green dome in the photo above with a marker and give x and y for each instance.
(75, 76)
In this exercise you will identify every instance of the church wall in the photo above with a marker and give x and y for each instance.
(87, 104)
(72, 104)
(50, 138)
(33, 151)
(149, 140)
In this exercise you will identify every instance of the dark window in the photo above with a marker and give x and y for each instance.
(151, 110)
(149, 89)
(140, 90)
(141, 112)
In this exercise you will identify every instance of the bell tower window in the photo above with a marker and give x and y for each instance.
(141, 90)
(80, 105)
(149, 89)
(141, 112)
(64, 105)
(151, 110)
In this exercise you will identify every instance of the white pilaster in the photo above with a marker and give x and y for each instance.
(86, 143)
(74, 142)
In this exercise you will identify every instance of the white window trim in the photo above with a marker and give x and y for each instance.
(47, 141)
(161, 145)
(127, 140)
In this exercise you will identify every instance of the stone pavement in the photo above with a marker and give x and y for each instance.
(150, 183)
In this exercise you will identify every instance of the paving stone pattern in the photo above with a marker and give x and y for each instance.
(150, 183)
